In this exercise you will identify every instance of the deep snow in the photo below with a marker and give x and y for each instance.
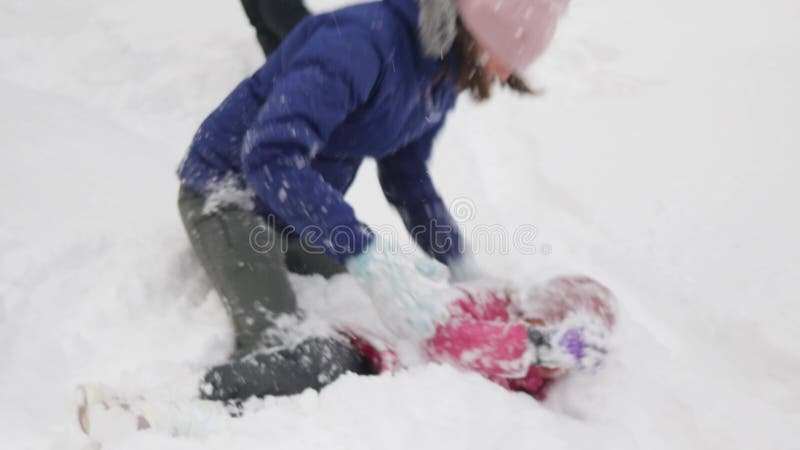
(662, 161)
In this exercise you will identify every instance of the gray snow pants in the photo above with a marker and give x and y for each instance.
(253, 282)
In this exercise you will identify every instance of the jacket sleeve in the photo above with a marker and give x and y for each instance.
(408, 187)
(321, 84)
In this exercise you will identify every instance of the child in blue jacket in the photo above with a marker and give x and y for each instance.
(262, 187)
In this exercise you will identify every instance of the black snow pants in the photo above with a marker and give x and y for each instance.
(273, 19)
(252, 279)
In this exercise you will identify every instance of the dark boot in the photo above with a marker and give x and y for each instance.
(314, 363)
(253, 283)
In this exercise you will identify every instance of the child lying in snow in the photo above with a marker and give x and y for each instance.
(522, 341)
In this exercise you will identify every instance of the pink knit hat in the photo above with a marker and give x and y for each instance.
(515, 32)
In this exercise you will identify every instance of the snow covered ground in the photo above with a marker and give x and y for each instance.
(663, 160)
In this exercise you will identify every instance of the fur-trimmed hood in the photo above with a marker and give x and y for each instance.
(435, 21)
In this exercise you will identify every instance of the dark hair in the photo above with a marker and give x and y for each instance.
(469, 72)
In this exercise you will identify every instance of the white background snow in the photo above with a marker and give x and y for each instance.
(663, 160)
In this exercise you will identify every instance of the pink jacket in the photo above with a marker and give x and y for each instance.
(487, 331)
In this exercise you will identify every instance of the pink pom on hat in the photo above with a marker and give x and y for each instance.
(515, 32)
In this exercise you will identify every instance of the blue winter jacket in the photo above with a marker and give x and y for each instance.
(342, 86)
